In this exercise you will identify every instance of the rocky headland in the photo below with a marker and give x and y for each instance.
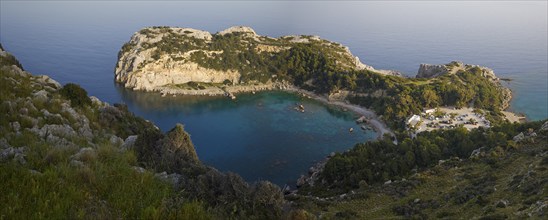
(160, 58)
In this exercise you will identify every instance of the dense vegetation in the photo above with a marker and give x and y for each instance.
(379, 161)
(398, 98)
(496, 173)
(78, 97)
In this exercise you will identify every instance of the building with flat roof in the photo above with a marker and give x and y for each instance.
(413, 120)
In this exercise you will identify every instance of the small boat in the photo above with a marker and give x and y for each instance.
(300, 108)
(351, 130)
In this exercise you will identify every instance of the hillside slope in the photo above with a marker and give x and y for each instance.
(66, 155)
(497, 173)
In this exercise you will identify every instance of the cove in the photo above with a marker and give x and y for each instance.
(259, 136)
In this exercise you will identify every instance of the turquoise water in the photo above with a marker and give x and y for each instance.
(78, 41)
(260, 136)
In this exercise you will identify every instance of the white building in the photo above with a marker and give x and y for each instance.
(413, 120)
(430, 111)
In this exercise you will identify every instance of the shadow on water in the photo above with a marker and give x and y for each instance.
(151, 102)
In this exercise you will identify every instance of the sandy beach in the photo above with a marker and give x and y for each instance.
(373, 119)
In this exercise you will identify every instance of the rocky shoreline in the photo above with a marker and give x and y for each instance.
(224, 90)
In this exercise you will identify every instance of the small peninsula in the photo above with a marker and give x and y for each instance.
(186, 61)
(166, 58)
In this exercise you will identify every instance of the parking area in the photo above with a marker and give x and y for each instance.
(446, 118)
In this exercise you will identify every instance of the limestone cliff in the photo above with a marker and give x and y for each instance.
(430, 70)
(141, 67)
(157, 57)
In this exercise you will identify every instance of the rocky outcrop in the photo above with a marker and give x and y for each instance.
(178, 147)
(507, 97)
(544, 126)
(389, 72)
(429, 70)
(14, 154)
(239, 29)
(158, 57)
(166, 72)
(141, 67)
(129, 143)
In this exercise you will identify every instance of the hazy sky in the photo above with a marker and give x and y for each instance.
(61, 38)
(492, 15)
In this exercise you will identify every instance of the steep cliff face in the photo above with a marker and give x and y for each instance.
(429, 70)
(141, 66)
(156, 57)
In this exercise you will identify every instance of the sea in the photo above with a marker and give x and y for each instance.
(262, 136)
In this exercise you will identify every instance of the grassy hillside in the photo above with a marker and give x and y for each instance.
(63, 155)
(483, 174)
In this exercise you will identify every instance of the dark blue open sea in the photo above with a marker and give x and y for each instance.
(260, 136)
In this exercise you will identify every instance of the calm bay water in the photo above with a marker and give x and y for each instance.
(259, 136)
(79, 41)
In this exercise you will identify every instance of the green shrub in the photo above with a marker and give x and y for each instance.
(77, 95)
(155, 55)
(9, 60)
